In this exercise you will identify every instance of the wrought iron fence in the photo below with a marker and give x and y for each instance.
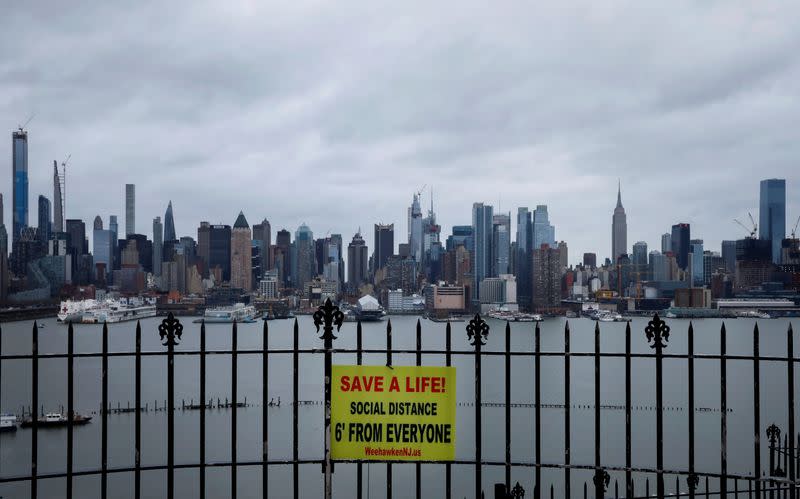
(778, 480)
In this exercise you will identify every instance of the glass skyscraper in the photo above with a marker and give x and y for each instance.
(20, 182)
(482, 239)
(772, 214)
(543, 232)
(45, 221)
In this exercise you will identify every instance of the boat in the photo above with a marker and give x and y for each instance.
(72, 311)
(112, 311)
(507, 315)
(54, 419)
(238, 312)
(368, 309)
(8, 422)
(607, 316)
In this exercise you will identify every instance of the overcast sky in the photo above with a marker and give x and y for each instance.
(334, 113)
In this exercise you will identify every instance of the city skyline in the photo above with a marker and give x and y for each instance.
(551, 128)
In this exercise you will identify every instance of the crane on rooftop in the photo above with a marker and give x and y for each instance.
(794, 230)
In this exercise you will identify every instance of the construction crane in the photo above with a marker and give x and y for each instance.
(30, 118)
(794, 231)
(752, 231)
(755, 225)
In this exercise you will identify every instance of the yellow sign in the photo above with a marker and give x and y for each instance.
(393, 414)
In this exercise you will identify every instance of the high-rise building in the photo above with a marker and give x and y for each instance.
(639, 260)
(462, 234)
(772, 214)
(241, 254)
(262, 232)
(543, 232)
(130, 209)
(384, 244)
(753, 262)
(415, 236)
(696, 261)
(501, 243)
(281, 258)
(58, 200)
(169, 224)
(666, 242)
(19, 181)
(657, 266)
(590, 260)
(45, 223)
(482, 239)
(356, 262)
(681, 235)
(729, 256)
(102, 251)
(158, 245)
(305, 265)
(522, 262)
(546, 277)
(219, 251)
(563, 255)
(77, 237)
(619, 229)
(204, 246)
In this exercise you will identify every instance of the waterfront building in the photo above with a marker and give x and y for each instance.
(356, 262)
(268, 285)
(130, 209)
(681, 234)
(441, 300)
(482, 239)
(45, 222)
(619, 229)
(241, 254)
(169, 224)
(772, 214)
(19, 182)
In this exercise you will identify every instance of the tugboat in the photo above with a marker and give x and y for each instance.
(54, 419)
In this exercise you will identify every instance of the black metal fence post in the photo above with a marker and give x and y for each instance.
(657, 333)
(34, 409)
(791, 434)
(756, 411)
(327, 316)
(234, 405)
(601, 477)
(137, 478)
(70, 407)
(537, 400)
(202, 471)
(104, 418)
(448, 472)
(170, 331)
(567, 459)
(628, 455)
(295, 436)
(477, 332)
(359, 466)
(389, 364)
(418, 466)
(692, 480)
(507, 409)
(723, 387)
(264, 412)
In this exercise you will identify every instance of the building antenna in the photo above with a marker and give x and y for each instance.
(62, 177)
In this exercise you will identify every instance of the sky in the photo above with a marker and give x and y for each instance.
(334, 113)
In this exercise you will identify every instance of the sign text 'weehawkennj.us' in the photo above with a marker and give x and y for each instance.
(404, 413)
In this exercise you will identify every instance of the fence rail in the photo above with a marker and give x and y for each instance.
(780, 477)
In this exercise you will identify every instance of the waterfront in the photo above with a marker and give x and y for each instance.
(15, 448)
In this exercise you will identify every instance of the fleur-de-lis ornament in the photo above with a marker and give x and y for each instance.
(693, 481)
(657, 332)
(601, 479)
(477, 331)
(773, 434)
(327, 316)
(517, 492)
(170, 330)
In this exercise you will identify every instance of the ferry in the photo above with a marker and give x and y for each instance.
(8, 422)
(53, 419)
(113, 311)
(238, 312)
(506, 315)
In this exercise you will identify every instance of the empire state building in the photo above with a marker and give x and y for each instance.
(619, 230)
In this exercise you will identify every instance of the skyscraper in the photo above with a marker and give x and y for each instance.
(19, 169)
(305, 266)
(219, 250)
(681, 235)
(482, 216)
(356, 261)
(415, 229)
(696, 253)
(666, 242)
(619, 229)
(281, 259)
(546, 277)
(729, 256)
(262, 233)
(58, 200)
(241, 254)
(130, 209)
(639, 260)
(501, 243)
(158, 245)
(169, 224)
(102, 251)
(522, 258)
(543, 232)
(772, 214)
(45, 223)
(384, 244)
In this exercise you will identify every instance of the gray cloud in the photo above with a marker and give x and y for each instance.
(334, 113)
